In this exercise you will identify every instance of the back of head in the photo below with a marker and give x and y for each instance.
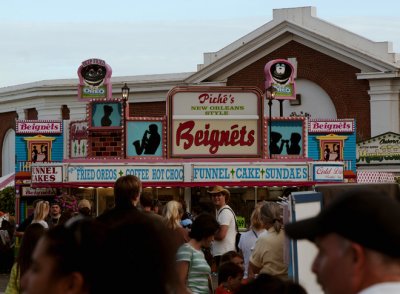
(85, 207)
(173, 212)
(255, 218)
(36, 201)
(76, 248)
(146, 199)
(157, 206)
(84, 203)
(271, 214)
(29, 240)
(138, 252)
(265, 283)
(228, 269)
(41, 211)
(228, 256)
(204, 207)
(126, 189)
(203, 226)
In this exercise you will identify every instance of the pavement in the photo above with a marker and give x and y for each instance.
(3, 282)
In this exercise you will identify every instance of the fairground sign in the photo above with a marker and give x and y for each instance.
(215, 121)
(383, 149)
(280, 74)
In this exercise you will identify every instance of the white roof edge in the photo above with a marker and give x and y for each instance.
(139, 79)
(306, 17)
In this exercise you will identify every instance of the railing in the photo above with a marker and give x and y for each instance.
(348, 164)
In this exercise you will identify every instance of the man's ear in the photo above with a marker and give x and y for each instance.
(75, 283)
(359, 256)
(136, 200)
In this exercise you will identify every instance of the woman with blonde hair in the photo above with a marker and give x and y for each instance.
(249, 238)
(40, 213)
(172, 213)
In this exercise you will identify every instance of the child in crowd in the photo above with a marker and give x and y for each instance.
(233, 256)
(230, 277)
(265, 283)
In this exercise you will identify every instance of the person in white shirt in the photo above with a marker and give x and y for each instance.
(224, 239)
(249, 238)
(358, 238)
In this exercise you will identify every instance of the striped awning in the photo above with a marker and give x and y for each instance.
(7, 181)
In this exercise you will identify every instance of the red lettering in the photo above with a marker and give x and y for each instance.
(213, 138)
(324, 170)
(220, 99)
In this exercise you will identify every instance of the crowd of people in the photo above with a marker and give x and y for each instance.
(133, 248)
(168, 251)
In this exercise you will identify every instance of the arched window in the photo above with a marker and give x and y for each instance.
(8, 153)
(65, 112)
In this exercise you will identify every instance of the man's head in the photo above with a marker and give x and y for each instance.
(127, 191)
(220, 196)
(84, 207)
(146, 201)
(357, 235)
(55, 210)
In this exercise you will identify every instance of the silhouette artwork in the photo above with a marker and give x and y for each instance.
(336, 150)
(294, 147)
(44, 152)
(150, 141)
(105, 120)
(274, 148)
(34, 154)
(327, 153)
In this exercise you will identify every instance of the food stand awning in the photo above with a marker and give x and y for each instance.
(7, 181)
(188, 174)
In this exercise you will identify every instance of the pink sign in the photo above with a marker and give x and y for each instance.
(279, 74)
(39, 127)
(331, 126)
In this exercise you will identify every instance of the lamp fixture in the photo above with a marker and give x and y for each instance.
(125, 92)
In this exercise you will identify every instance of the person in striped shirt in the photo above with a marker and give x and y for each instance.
(193, 270)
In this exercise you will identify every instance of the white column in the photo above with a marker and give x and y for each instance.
(385, 106)
(48, 111)
(77, 110)
(21, 113)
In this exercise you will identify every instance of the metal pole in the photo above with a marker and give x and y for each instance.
(270, 125)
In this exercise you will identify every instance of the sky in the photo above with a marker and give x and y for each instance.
(47, 39)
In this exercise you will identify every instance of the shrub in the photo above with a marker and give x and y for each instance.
(7, 200)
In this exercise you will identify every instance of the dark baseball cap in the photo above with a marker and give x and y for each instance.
(369, 218)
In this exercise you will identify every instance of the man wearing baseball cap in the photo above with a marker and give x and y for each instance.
(358, 238)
